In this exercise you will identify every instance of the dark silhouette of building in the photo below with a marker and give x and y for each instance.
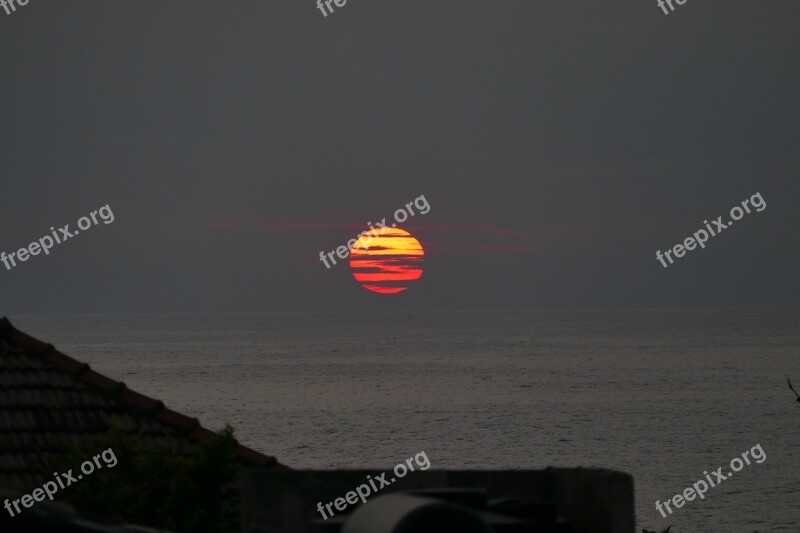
(49, 400)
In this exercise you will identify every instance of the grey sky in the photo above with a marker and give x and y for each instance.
(560, 144)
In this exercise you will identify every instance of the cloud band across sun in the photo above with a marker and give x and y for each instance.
(387, 261)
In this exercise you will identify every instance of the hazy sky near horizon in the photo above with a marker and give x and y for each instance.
(559, 145)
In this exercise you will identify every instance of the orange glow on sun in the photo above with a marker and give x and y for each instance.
(387, 260)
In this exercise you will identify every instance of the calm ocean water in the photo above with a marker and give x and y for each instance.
(661, 394)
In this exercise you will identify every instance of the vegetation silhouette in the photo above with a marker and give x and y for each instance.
(157, 487)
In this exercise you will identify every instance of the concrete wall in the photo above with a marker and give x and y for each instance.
(596, 500)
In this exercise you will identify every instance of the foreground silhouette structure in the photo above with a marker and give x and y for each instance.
(51, 403)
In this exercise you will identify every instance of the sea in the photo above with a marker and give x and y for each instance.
(663, 395)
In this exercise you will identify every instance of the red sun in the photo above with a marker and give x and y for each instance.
(387, 260)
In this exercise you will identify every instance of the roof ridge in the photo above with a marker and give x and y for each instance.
(5, 327)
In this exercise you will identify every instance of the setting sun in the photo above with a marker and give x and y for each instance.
(387, 260)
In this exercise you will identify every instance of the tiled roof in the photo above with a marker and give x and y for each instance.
(48, 399)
